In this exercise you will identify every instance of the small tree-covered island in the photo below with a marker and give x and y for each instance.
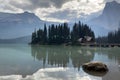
(63, 34)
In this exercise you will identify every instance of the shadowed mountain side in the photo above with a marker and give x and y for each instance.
(19, 24)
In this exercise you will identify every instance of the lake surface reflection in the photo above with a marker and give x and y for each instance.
(18, 59)
(62, 56)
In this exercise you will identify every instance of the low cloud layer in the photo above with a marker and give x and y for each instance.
(55, 10)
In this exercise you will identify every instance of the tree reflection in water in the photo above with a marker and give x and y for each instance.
(62, 56)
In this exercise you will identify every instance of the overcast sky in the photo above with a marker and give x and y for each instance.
(55, 10)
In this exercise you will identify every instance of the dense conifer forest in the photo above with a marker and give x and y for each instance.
(62, 34)
(113, 37)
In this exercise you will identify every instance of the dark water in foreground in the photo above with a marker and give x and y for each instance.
(55, 62)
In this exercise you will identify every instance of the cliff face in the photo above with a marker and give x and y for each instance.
(108, 20)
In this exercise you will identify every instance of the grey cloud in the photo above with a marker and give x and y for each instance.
(10, 8)
(48, 3)
(66, 14)
(31, 5)
(40, 3)
(112, 0)
(34, 4)
(59, 3)
(23, 5)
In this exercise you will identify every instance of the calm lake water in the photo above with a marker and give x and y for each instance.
(26, 62)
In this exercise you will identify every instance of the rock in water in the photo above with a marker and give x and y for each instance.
(95, 68)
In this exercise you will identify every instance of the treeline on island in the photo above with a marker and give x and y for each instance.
(112, 38)
(63, 34)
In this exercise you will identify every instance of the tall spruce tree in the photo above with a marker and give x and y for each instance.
(34, 37)
(114, 37)
(40, 36)
(45, 34)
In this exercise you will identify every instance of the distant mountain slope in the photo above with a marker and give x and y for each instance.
(109, 19)
(25, 39)
(17, 25)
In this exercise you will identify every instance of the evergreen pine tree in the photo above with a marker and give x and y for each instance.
(45, 34)
(34, 37)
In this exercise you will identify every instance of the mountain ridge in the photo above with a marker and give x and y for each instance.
(22, 40)
(109, 19)
(18, 25)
